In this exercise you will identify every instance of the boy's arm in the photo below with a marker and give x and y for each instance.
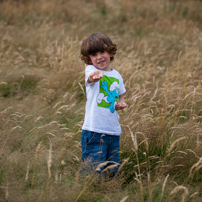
(95, 76)
(121, 105)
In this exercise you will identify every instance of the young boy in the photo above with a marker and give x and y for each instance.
(104, 91)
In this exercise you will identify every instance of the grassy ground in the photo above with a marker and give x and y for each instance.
(42, 96)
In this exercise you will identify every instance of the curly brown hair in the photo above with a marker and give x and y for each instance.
(94, 43)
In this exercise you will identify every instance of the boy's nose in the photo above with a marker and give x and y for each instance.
(99, 55)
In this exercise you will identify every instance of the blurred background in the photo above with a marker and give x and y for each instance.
(42, 99)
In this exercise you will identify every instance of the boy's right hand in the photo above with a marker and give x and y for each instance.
(95, 76)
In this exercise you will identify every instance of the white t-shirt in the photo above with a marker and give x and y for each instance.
(102, 96)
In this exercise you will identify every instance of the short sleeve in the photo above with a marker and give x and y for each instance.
(89, 69)
(122, 89)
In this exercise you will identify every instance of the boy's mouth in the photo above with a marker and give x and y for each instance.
(101, 62)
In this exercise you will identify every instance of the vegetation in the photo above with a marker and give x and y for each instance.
(42, 95)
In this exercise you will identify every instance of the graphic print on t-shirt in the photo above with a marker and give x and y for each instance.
(108, 95)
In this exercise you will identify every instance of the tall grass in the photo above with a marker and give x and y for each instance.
(42, 97)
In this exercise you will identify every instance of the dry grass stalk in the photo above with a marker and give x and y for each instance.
(36, 155)
(123, 163)
(89, 181)
(198, 141)
(101, 165)
(178, 188)
(49, 162)
(134, 139)
(164, 185)
(150, 186)
(174, 144)
(196, 165)
(194, 194)
(83, 91)
(145, 139)
(56, 176)
(27, 173)
(124, 199)
(111, 167)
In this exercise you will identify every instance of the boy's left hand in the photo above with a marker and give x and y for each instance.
(120, 106)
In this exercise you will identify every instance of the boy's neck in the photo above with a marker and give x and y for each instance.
(106, 70)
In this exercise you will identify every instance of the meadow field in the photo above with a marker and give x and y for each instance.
(42, 99)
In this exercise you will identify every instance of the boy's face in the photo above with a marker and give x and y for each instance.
(101, 60)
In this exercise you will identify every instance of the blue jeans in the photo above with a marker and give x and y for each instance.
(100, 151)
